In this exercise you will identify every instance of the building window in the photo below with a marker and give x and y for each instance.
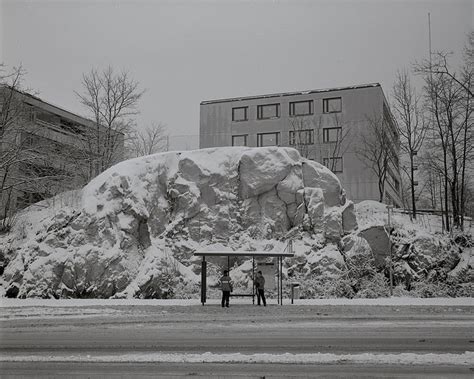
(332, 105)
(239, 114)
(239, 140)
(332, 134)
(334, 164)
(302, 137)
(268, 111)
(268, 139)
(301, 108)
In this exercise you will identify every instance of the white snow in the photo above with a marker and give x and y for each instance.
(38, 250)
(466, 358)
(388, 301)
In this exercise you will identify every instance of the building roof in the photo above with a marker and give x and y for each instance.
(290, 93)
(38, 102)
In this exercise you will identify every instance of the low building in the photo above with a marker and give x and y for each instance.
(328, 125)
(45, 150)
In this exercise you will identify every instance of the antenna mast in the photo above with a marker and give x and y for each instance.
(429, 35)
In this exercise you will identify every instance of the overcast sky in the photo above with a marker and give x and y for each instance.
(184, 52)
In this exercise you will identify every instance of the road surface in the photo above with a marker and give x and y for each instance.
(111, 341)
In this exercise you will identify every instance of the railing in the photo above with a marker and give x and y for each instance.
(59, 129)
(61, 136)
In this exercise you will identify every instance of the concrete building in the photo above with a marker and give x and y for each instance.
(328, 125)
(44, 150)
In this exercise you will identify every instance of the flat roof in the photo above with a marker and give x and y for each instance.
(204, 253)
(282, 94)
(36, 101)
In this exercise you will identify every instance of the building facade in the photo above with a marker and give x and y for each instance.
(331, 126)
(45, 150)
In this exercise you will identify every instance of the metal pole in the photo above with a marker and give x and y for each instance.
(203, 279)
(278, 282)
(281, 278)
(389, 209)
(429, 37)
(253, 279)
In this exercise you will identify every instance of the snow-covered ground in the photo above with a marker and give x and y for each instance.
(466, 358)
(189, 319)
(395, 301)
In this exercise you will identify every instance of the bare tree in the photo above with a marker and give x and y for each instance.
(302, 135)
(111, 99)
(449, 102)
(440, 65)
(331, 140)
(322, 141)
(12, 112)
(468, 134)
(23, 172)
(410, 125)
(376, 150)
(153, 139)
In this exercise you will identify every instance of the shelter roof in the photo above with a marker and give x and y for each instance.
(204, 253)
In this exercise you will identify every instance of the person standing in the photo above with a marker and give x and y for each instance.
(260, 285)
(226, 287)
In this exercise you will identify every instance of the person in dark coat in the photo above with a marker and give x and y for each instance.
(226, 287)
(260, 285)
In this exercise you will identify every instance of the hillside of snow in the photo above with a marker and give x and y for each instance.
(132, 231)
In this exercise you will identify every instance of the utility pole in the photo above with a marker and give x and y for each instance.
(389, 233)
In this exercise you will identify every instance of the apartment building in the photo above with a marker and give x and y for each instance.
(45, 150)
(331, 126)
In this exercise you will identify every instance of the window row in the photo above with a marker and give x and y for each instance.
(335, 164)
(299, 137)
(296, 108)
(296, 137)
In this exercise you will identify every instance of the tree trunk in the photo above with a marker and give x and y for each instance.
(412, 179)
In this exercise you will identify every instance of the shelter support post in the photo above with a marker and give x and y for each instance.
(253, 280)
(281, 280)
(203, 279)
(253, 254)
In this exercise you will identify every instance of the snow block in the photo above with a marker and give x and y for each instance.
(316, 175)
(326, 263)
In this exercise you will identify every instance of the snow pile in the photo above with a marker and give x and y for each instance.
(426, 261)
(132, 231)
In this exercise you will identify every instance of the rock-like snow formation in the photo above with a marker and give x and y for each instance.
(132, 230)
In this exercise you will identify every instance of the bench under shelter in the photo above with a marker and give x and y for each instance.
(288, 252)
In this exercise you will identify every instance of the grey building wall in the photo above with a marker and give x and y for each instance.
(358, 103)
(47, 138)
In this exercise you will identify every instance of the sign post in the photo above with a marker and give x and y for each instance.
(389, 222)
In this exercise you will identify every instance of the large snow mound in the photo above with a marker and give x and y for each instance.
(133, 229)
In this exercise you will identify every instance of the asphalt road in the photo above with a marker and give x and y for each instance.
(245, 329)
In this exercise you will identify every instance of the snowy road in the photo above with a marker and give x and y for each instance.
(298, 336)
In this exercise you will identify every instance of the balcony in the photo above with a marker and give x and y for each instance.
(57, 133)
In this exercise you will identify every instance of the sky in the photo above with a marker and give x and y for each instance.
(183, 52)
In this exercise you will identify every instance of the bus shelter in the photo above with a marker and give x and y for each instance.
(254, 255)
